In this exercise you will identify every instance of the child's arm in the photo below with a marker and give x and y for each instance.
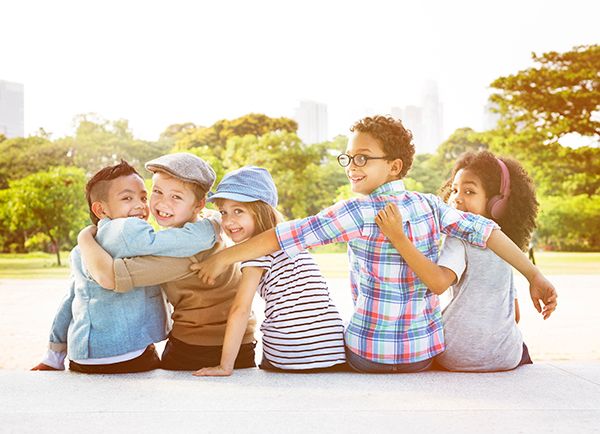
(540, 288)
(97, 261)
(236, 323)
(437, 278)
(260, 245)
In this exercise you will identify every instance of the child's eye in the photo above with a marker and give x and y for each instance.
(238, 211)
(155, 191)
(223, 212)
(144, 199)
(127, 198)
(176, 197)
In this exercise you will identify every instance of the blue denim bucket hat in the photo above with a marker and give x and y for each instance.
(248, 184)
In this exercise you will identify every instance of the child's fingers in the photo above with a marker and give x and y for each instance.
(536, 303)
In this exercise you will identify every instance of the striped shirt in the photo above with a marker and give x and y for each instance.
(302, 327)
(396, 318)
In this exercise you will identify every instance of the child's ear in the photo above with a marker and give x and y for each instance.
(200, 206)
(396, 167)
(98, 210)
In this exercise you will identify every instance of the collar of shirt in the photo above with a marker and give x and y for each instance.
(388, 187)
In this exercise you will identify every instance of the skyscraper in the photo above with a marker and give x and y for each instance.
(432, 118)
(12, 111)
(312, 122)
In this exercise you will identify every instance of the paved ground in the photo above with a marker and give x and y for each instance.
(561, 397)
(560, 393)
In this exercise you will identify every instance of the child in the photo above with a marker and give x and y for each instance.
(302, 329)
(480, 324)
(396, 324)
(105, 332)
(199, 311)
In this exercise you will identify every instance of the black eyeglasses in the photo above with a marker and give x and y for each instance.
(359, 159)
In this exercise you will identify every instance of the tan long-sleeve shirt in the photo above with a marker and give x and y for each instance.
(199, 311)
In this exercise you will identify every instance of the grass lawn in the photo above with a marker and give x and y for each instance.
(43, 266)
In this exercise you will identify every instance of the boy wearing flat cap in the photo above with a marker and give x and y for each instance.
(199, 311)
(105, 332)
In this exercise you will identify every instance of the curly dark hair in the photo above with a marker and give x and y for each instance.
(395, 139)
(518, 222)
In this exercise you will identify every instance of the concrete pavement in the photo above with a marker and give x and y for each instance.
(562, 397)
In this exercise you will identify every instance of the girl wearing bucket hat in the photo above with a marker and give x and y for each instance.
(302, 329)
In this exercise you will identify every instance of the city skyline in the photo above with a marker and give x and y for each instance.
(185, 62)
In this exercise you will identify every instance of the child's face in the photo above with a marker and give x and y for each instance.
(126, 197)
(468, 193)
(172, 203)
(237, 221)
(375, 173)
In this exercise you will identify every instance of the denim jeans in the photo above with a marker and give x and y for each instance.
(360, 364)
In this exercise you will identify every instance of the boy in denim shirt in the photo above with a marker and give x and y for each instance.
(106, 332)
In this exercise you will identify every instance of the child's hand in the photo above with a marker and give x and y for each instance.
(43, 367)
(215, 371)
(389, 220)
(542, 290)
(209, 269)
(90, 230)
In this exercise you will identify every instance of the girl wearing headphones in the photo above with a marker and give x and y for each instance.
(480, 323)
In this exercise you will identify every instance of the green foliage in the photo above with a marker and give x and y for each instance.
(557, 96)
(216, 136)
(50, 202)
(20, 157)
(430, 171)
(99, 143)
(569, 223)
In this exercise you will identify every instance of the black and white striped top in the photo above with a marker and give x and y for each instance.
(302, 327)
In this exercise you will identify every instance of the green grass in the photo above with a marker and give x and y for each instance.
(43, 265)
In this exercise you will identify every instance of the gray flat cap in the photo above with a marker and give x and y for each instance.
(185, 166)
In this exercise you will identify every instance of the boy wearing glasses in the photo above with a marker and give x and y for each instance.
(396, 325)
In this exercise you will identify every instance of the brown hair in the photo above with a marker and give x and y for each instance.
(394, 138)
(518, 222)
(97, 187)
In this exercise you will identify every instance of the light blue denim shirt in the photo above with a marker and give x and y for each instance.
(93, 322)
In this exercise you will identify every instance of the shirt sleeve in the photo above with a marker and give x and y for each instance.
(64, 314)
(149, 270)
(263, 262)
(141, 239)
(472, 228)
(339, 223)
(55, 359)
(453, 257)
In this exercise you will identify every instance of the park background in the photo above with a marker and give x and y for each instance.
(547, 104)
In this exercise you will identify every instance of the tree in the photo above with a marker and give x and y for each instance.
(98, 143)
(216, 135)
(20, 157)
(51, 202)
(558, 96)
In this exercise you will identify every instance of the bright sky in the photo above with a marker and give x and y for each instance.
(156, 63)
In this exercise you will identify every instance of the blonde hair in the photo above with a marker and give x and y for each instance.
(265, 216)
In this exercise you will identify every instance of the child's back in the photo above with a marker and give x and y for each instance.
(479, 323)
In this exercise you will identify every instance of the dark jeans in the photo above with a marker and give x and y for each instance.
(360, 364)
(179, 356)
(267, 366)
(147, 361)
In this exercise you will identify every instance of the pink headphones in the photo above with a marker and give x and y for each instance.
(497, 205)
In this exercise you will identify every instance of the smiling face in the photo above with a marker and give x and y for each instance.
(126, 196)
(237, 220)
(172, 202)
(375, 173)
(467, 193)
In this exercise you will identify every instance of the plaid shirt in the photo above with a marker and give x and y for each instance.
(396, 318)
